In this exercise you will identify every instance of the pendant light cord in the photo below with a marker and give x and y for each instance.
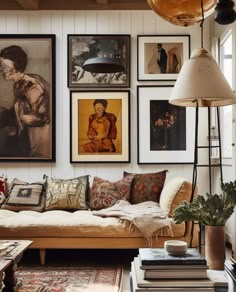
(201, 23)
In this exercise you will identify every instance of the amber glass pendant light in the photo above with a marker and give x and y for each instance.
(182, 12)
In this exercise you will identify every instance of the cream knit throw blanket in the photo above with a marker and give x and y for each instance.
(147, 217)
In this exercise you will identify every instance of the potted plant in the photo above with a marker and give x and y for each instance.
(211, 210)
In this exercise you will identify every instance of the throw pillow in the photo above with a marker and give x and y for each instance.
(67, 194)
(25, 196)
(174, 192)
(105, 194)
(3, 189)
(147, 186)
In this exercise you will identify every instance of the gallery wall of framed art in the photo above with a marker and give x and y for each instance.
(27, 98)
(62, 24)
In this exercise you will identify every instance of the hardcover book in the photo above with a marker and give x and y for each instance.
(171, 267)
(229, 267)
(170, 283)
(134, 287)
(158, 256)
(176, 274)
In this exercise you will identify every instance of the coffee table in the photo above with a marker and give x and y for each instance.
(8, 263)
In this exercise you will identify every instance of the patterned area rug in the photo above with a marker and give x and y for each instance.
(69, 279)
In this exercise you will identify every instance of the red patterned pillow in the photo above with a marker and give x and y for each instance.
(147, 186)
(3, 189)
(105, 194)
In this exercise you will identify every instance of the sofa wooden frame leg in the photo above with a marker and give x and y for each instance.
(42, 253)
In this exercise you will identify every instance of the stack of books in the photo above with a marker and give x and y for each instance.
(230, 267)
(155, 270)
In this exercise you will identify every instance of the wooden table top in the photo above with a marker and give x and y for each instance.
(14, 250)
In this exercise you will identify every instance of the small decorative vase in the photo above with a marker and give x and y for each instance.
(215, 246)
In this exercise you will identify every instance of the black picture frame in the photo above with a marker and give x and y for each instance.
(85, 47)
(27, 105)
(100, 137)
(160, 57)
(164, 130)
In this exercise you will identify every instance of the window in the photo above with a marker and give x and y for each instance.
(226, 64)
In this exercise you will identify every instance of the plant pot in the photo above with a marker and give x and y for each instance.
(215, 247)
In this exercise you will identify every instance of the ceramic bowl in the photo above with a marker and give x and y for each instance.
(175, 247)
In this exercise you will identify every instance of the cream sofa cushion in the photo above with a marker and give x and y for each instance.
(58, 223)
(175, 191)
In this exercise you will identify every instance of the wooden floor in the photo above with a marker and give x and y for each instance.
(87, 257)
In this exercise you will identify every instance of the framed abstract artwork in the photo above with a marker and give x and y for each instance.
(160, 57)
(27, 98)
(98, 61)
(164, 130)
(100, 126)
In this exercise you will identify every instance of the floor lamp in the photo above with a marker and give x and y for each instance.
(201, 83)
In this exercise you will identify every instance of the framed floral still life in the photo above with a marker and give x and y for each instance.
(100, 126)
(98, 61)
(160, 57)
(27, 98)
(164, 130)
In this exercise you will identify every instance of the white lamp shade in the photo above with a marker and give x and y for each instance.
(201, 82)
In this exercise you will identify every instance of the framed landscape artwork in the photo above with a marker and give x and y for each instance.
(100, 126)
(164, 130)
(27, 98)
(160, 57)
(98, 61)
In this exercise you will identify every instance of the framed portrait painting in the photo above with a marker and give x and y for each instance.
(27, 98)
(164, 130)
(98, 61)
(100, 126)
(160, 57)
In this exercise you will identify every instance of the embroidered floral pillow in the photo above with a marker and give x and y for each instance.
(147, 186)
(105, 194)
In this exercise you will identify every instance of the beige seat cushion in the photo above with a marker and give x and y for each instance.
(175, 191)
(57, 223)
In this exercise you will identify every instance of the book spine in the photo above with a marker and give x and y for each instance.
(171, 267)
(173, 262)
(152, 274)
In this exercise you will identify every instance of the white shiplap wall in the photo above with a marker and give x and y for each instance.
(62, 23)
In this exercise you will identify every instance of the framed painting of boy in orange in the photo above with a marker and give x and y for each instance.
(99, 126)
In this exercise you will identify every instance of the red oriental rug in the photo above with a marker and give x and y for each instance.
(69, 279)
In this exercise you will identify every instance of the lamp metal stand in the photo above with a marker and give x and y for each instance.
(210, 165)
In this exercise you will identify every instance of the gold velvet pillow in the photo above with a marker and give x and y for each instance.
(67, 194)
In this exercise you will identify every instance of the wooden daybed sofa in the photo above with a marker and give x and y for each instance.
(82, 229)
